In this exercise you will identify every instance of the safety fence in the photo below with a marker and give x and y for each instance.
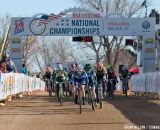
(15, 83)
(146, 82)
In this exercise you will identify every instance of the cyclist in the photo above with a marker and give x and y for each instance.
(71, 70)
(47, 77)
(92, 79)
(101, 75)
(79, 76)
(60, 76)
(111, 76)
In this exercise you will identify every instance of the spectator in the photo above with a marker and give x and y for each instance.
(10, 66)
(3, 64)
(24, 70)
(39, 75)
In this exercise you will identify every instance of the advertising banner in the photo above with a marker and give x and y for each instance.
(129, 26)
(16, 52)
(76, 24)
(85, 24)
(82, 24)
(14, 83)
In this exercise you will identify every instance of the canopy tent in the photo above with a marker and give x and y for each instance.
(134, 70)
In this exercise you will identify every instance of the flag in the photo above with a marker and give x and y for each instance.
(60, 15)
(52, 17)
(43, 19)
(144, 3)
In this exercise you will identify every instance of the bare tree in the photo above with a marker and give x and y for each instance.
(112, 45)
(52, 50)
(96, 48)
(4, 33)
(29, 44)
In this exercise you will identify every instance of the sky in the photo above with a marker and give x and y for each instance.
(23, 8)
(18, 8)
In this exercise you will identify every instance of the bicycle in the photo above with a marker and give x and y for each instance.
(90, 96)
(100, 93)
(60, 92)
(80, 98)
(70, 86)
(111, 88)
(125, 86)
(49, 87)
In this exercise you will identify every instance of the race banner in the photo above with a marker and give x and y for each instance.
(85, 24)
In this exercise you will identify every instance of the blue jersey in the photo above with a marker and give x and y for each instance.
(91, 76)
(82, 78)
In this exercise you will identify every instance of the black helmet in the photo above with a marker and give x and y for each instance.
(110, 70)
(88, 67)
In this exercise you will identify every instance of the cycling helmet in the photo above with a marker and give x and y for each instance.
(88, 67)
(108, 66)
(73, 66)
(59, 67)
(80, 67)
(99, 65)
(110, 70)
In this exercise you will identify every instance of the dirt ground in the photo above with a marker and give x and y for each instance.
(41, 112)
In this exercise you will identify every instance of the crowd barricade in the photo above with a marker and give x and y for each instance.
(16, 83)
(146, 83)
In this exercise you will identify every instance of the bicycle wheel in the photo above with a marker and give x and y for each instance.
(50, 93)
(61, 95)
(80, 108)
(125, 91)
(100, 103)
(61, 101)
(49, 89)
(92, 101)
(100, 96)
(80, 100)
(112, 90)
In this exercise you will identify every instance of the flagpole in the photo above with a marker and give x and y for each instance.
(144, 4)
(146, 10)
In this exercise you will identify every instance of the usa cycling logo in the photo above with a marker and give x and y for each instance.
(146, 25)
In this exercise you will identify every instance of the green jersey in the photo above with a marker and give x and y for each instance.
(61, 76)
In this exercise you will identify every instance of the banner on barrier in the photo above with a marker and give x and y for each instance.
(146, 82)
(14, 83)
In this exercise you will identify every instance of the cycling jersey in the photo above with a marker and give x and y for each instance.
(112, 76)
(47, 75)
(70, 74)
(82, 78)
(61, 76)
(91, 76)
(100, 74)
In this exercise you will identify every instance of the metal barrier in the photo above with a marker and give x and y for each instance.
(146, 84)
(15, 83)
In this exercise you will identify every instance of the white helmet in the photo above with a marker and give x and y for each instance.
(79, 67)
(59, 67)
